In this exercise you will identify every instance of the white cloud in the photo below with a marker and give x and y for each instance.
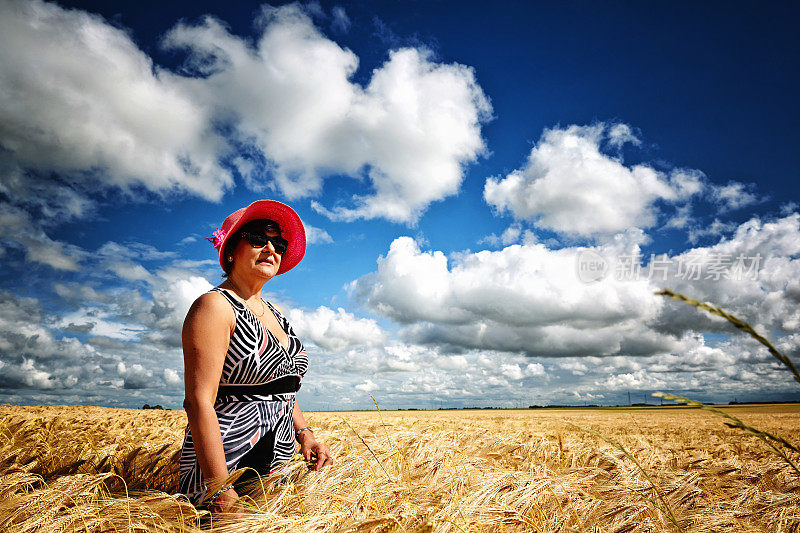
(510, 235)
(512, 371)
(25, 375)
(136, 376)
(17, 226)
(714, 229)
(405, 358)
(681, 218)
(316, 235)
(529, 298)
(326, 124)
(789, 208)
(751, 273)
(719, 369)
(522, 298)
(336, 330)
(575, 366)
(341, 22)
(171, 377)
(54, 201)
(619, 134)
(31, 356)
(452, 362)
(569, 185)
(100, 322)
(180, 292)
(734, 195)
(98, 111)
(367, 386)
(78, 97)
(534, 370)
(101, 341)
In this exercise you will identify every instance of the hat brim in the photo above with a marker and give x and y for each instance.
(292, 229)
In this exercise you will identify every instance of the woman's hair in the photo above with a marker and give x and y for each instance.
(256, 226)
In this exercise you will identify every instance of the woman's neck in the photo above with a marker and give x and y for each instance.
(245, 290)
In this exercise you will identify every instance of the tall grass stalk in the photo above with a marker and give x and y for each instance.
(368, 448)
(664, 507)
(475, 471)
(738, 323)
(390, 442)
(765, 436)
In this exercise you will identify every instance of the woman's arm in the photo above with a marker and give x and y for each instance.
(206, 334)
(308, 444)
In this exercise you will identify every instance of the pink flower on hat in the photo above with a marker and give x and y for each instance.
(291, 229)
(217, 238)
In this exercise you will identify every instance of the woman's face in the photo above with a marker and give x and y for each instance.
(260, 262)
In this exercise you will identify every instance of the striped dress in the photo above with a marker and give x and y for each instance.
(254, 356)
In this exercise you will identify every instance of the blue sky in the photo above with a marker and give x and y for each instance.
(456, 165)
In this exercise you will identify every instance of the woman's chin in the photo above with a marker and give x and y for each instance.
(266, 269)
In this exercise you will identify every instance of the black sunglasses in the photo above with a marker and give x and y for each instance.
(259, 240)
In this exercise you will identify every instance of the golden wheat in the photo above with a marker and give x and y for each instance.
(98, 469)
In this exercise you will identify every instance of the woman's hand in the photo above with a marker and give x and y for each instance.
(224, 502)
(314, 452)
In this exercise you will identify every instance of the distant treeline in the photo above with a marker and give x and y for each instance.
(148, 406)
(592, 405)
(734, 402)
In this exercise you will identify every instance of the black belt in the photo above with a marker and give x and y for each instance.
(281, 385)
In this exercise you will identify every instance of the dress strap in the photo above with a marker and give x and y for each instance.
(236, 304)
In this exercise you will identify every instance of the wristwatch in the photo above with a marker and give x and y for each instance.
(297, 433)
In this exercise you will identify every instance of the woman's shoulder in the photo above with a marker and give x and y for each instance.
(211, 302)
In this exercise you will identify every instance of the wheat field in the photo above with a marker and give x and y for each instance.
(98, 469)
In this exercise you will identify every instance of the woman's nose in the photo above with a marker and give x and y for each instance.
(270, 247)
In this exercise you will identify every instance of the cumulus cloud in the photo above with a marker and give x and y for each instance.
(78, 99)
(136, 376)
(171, 377)
(100, 336)
(531, 299)
(719, 372)
(751, 273)
(572, 186)
(403, 374)
(31, 355)
(100, 114)
(177, 290)
(424, 376)
(367, 386)
(524, 298)
(336, 330)
(24, 375)
(326, 124)
(96, 108)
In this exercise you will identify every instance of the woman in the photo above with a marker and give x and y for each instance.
(243, 363)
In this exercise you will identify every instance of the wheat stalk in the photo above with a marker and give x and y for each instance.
(738, 323)
(493, 471)
(664, 507)
(768, 438)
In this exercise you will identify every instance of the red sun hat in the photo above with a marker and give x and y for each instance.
(291, 229)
